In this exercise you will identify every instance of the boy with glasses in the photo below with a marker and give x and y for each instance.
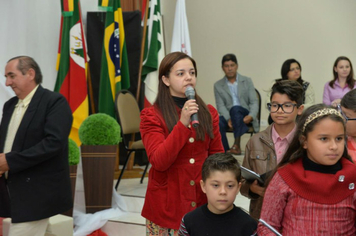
(265, 149)
(347, 107)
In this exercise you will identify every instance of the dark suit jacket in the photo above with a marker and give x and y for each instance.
(38, 180)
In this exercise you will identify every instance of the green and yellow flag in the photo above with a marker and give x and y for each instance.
(72, 64)
(114, 74)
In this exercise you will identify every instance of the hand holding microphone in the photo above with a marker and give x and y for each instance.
(190, 94)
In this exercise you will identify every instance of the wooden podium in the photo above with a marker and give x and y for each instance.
(98, 175)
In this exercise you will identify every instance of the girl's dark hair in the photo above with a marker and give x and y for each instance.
(295, 149)
(221, 162)
(286, 68)
(166, 105)
(349, 100)
(350, 78)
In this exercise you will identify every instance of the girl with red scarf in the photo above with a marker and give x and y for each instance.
(313, 189)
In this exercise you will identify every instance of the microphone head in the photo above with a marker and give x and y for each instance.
(189, 91)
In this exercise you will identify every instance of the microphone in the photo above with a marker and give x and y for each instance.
(190, 94)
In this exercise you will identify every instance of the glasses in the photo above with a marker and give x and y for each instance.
(343, 114)
(286, 107)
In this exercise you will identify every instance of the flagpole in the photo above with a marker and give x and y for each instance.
(142, 51)
(131, 162)
(90, 90)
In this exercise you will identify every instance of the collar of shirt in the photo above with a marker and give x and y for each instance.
(351, 146)
(338, 84)
(228, 82)
(276, 137)
(352, 143)
(281, 144)
(26, 101)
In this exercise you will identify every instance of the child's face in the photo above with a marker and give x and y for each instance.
(280, 117)
(221, 189)
(350, 124)
(325, 144)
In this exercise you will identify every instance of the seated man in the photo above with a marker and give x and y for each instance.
(236, 103)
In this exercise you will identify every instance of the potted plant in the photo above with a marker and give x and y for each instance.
(100, 135)
(73, 159)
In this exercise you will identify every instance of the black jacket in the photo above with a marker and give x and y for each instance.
(38, 181)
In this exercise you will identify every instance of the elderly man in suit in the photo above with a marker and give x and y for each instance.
(236, 103)
(34, 170)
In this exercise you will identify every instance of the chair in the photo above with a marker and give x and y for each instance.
(128, 115)
(251, 130)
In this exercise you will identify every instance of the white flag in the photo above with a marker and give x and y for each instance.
(180, 38)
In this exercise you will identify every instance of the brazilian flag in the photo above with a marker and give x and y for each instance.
(114, 74)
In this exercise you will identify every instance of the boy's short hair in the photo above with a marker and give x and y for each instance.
(349, 100)
(221, 162)
(229, 57)
(291, 88)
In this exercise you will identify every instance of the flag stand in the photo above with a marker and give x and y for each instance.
(90, 90)
(139, 81)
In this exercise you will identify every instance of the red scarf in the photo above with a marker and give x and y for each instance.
(319, 187)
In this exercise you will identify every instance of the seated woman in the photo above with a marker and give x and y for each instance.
(342, 83)
(291, 70)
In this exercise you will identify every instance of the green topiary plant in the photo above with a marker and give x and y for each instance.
(73, 155)
(100, 129)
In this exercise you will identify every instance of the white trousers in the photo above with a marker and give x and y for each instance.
(32, 228)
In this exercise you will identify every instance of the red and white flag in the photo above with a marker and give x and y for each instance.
(153, 53)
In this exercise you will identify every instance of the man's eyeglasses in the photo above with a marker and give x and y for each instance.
(343, 114)
(286, 107)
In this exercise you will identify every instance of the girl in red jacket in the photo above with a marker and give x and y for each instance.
(175, 149)
(313, 189)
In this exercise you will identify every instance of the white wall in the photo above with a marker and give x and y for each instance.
(32, 28)
(262, 34)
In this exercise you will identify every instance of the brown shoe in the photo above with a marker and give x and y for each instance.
(234, 150)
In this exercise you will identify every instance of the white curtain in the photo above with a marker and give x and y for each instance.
(32, 28)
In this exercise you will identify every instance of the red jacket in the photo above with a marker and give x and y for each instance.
(176, 159)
